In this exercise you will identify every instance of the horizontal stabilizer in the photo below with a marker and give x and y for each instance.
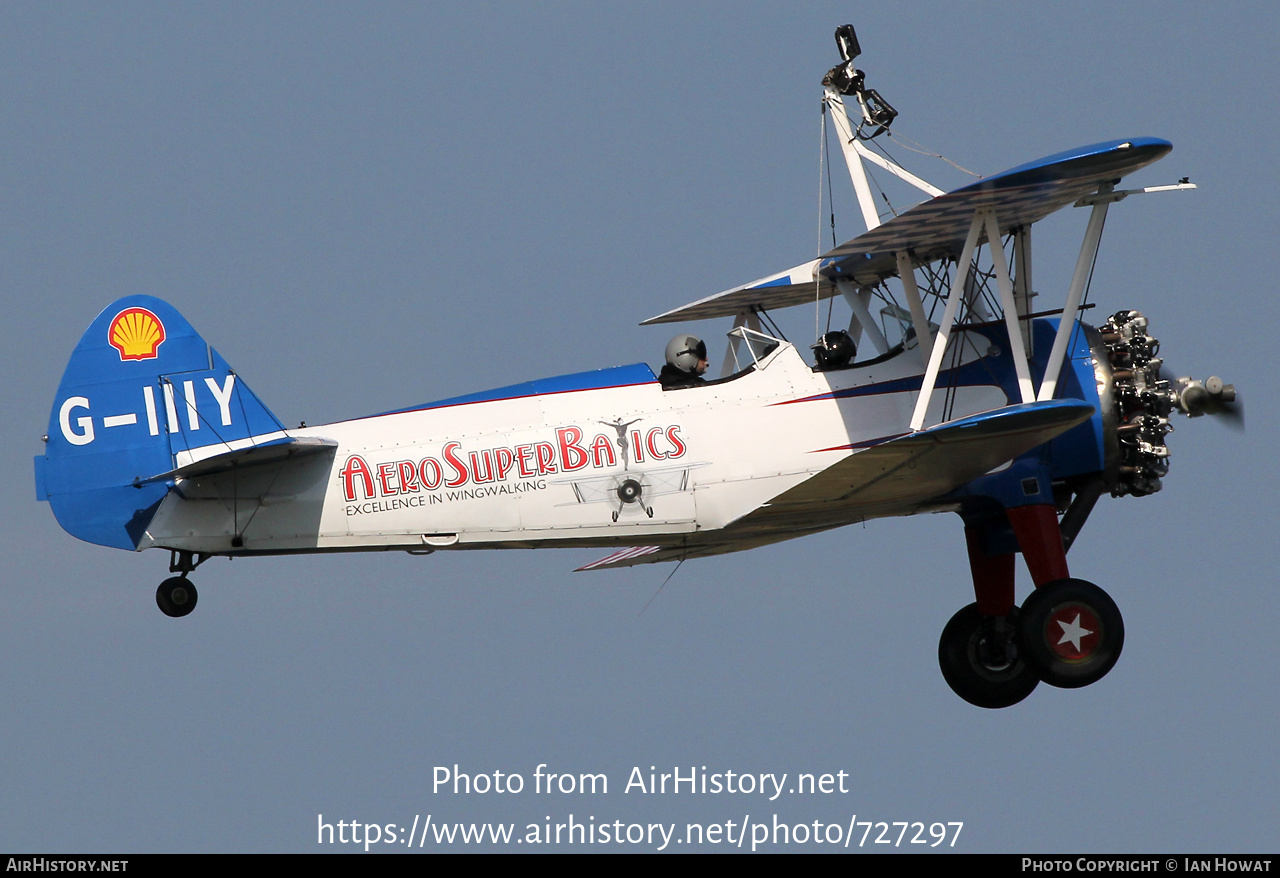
(268, 452)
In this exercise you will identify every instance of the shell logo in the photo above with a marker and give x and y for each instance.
(136, 333)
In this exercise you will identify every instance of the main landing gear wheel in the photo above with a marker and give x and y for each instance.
(176, 596)
(1071, 633)
(980, 659)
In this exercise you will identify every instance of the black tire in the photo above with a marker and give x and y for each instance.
(1071, 633)
(977, 666)
(176, 596)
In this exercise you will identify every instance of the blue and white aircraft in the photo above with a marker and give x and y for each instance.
(963, 398)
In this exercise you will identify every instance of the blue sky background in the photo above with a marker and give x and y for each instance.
(368, 206)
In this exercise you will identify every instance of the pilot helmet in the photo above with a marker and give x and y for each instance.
(834, 350)
(685, 351)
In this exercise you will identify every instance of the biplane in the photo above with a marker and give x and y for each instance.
(953, 394)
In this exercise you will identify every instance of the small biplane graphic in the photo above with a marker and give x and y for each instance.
(633, 489)
(953, 394)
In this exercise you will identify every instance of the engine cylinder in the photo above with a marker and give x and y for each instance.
(1135, 401)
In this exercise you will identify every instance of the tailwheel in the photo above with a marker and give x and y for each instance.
(176, 596)
(980, 659)
(1071, 633)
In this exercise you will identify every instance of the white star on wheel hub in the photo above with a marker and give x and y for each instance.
(1074, 632)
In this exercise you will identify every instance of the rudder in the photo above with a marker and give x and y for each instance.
(142, 394)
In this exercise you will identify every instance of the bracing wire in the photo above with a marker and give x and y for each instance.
(883, 196)
(831, 197)
(936, 155)
(661, 587)
(769, 323)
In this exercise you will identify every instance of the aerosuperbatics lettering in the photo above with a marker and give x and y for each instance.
(457, 468)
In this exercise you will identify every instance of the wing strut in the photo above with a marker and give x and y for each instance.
(749, 319)
(857, 173)
(844, 79)
(924, 338)
(1100, 200)
(1084, 267)
(1016, 349)
(984, 221)
(948, 319)
(858, 300)
(897, 170)
(1022, 283)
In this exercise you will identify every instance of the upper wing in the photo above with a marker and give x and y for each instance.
(791, 287)
(936, 229)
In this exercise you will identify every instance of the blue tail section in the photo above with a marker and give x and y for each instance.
(142, 394)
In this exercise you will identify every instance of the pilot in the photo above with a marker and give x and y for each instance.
(686, 362)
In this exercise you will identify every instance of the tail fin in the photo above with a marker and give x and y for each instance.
(142, 395)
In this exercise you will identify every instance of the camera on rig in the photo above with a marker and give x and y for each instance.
(850, 81)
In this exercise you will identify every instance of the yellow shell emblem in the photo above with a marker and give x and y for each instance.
(136, 333)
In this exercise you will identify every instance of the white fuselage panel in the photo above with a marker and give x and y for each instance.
(615, 465)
